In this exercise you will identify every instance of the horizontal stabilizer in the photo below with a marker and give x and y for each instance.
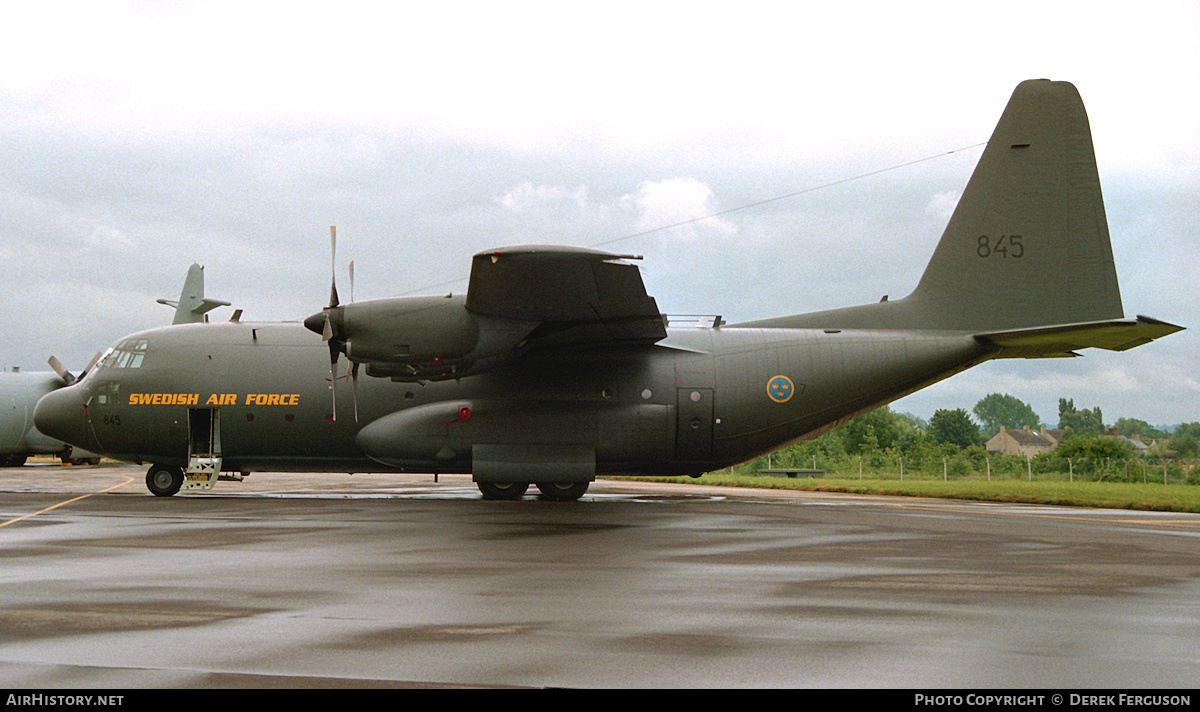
(207, 305)
(1064, 339)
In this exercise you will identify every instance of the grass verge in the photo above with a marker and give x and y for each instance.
(1108, 495)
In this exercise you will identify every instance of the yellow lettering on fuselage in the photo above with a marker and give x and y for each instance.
(215, 399)
(164, 398)
(273, 399)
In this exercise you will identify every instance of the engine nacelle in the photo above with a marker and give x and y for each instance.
(421, 338)
(414, 329)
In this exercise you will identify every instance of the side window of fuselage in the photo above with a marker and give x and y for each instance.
(108, 393)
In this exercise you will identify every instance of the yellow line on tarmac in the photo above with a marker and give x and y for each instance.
(75, 499)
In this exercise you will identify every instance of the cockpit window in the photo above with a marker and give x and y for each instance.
(108, 393)
(127, 354)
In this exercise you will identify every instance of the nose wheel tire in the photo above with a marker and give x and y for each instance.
(164, 480)
(562, 491)
(502, 490)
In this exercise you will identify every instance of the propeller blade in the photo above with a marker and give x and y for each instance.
(354, 381)
(329, 331)
(61, 370)
(91, 364)
(333, 359)
(333, 295)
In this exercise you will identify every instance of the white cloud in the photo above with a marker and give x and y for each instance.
(682, 208)
(526, 197)
(942, 205)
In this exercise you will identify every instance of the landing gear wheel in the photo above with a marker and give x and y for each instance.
(502, 490)
(164, 480)
(562, 491)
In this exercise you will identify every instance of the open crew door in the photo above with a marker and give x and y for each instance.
(204, 448)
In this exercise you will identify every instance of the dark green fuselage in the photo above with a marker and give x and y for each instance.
(697, 401)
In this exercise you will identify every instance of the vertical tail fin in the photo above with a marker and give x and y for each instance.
(1025, 263)
(192, 304)
(1028, 243)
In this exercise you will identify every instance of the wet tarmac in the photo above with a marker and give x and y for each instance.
(395, 580)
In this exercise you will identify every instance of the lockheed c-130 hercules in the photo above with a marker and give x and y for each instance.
(556, 366)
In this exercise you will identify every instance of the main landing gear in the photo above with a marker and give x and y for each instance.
(553, 491)
(503, 490)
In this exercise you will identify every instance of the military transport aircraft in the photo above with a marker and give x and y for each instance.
(556, 366)
(20, 392)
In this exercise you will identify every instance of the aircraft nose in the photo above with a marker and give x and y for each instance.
(61, 415)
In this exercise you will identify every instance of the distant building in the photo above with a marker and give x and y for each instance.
(1135, 443)
(1024, 442)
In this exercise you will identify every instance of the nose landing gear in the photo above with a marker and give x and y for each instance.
(164, 480)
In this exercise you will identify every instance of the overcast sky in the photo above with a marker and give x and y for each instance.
(137, 138)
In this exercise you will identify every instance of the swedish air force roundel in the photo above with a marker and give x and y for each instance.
(780, 389)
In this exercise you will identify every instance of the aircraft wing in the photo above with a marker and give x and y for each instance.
(577, 295)
(1062, 340)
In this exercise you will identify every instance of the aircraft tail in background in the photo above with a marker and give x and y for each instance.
(192, 306)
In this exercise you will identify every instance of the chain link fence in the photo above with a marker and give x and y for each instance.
(978, 465)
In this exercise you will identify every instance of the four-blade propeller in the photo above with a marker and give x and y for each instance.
(329, 323)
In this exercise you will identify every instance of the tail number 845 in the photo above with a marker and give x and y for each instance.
(1004, 246)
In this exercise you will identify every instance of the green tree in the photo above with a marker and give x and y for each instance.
(877, 430)
(955, 427)
(1185, 440)
(1091, 455)
(1082, 423)
(997, 409)
(1098, 448)
(1132, 426)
